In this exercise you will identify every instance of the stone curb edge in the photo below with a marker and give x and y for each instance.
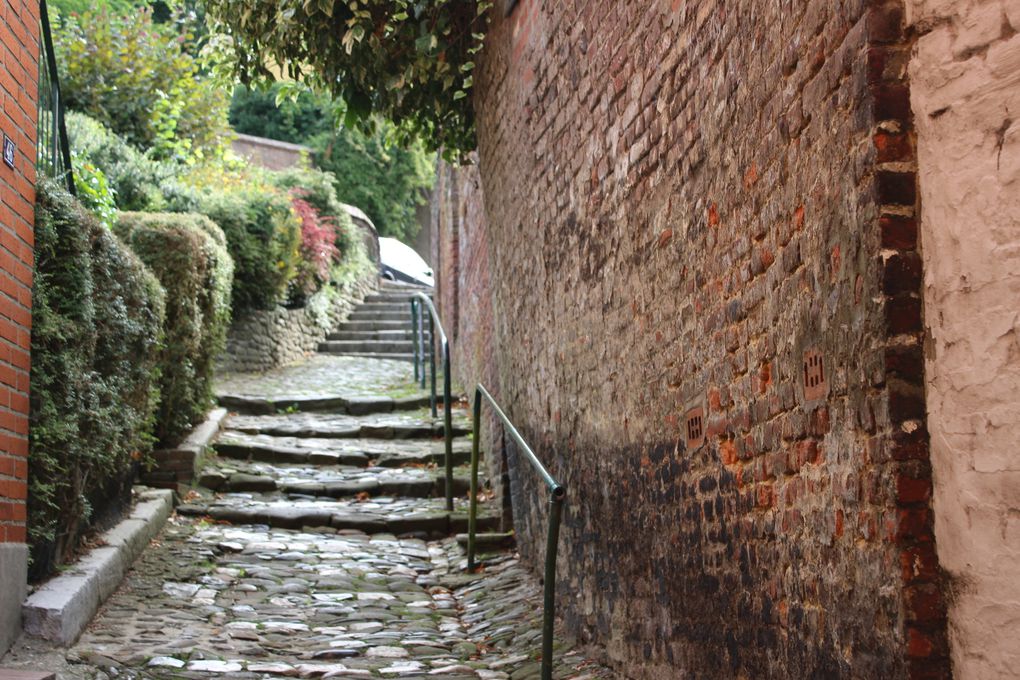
(61, 608)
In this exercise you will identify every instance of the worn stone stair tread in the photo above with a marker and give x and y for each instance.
(370, 334)
(356, 452)
(360, 315)
(368, 346)
(387, 306)
(399, 325)
(397, 516)
(485, 540)
(340, 426)
(402, 297)
(345, 404)
(344, 482)
(370, 355)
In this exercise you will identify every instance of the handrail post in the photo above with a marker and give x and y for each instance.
(432, 363)
(476, 418)
(557, 494)
(549, 603)
(414, 335)
(421, 343)
(448, 425)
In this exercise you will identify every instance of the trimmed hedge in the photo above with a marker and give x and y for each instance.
(263, 235)
(97, 321)
(188, 255)
(138, 182)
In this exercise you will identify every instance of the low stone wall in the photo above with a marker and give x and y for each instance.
(280, 336)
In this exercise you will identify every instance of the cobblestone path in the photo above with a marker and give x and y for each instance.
(317, 545)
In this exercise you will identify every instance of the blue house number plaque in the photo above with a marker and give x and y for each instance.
(9, 151)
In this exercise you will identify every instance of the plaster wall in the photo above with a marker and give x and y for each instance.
(965, 92)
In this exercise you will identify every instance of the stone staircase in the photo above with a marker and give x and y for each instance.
(329, 470)
(380, 327)
(317, 544)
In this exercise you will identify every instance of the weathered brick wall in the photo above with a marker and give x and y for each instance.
(460, 247)
(965, 88)
(690, 209)
(18, 78)
(19, 75)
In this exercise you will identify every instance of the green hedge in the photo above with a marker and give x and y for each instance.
(138, 182)
(97, 321)
(187, 254)
(263, 235)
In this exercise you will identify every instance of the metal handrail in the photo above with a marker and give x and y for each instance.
(53, 153)
(557, 495)
(418, 329)
(557, 492)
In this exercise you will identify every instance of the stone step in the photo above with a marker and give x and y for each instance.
(388, 285)
(401, 325)
(398, 307)
(334, 404)
(371, 315)
(352, 452)
(490, 541)
(373, 355)
(398, 516)
(336, 426)
(392, 297)
(359, 335)
(339, 482)
(369, 346)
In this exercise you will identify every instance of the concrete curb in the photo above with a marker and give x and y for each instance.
(60, 609)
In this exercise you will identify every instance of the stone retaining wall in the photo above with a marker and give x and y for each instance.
(280, 336)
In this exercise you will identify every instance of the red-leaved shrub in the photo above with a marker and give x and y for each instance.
(318, 247)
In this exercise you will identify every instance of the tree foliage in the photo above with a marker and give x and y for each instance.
(260, 112)
(385, 179)
(412, 61)
(66, 8)
(138, 79)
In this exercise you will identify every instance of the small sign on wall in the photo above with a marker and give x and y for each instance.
(10, 151)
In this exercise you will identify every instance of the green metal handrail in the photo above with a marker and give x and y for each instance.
(557, 495)
(53, 152)
(418, 330)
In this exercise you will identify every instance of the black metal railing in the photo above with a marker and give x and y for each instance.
(53, 152)
(420, 302)
(557, 495)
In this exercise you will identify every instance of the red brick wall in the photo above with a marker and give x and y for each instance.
(19, 76)
(460, 247)
(685, 204)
